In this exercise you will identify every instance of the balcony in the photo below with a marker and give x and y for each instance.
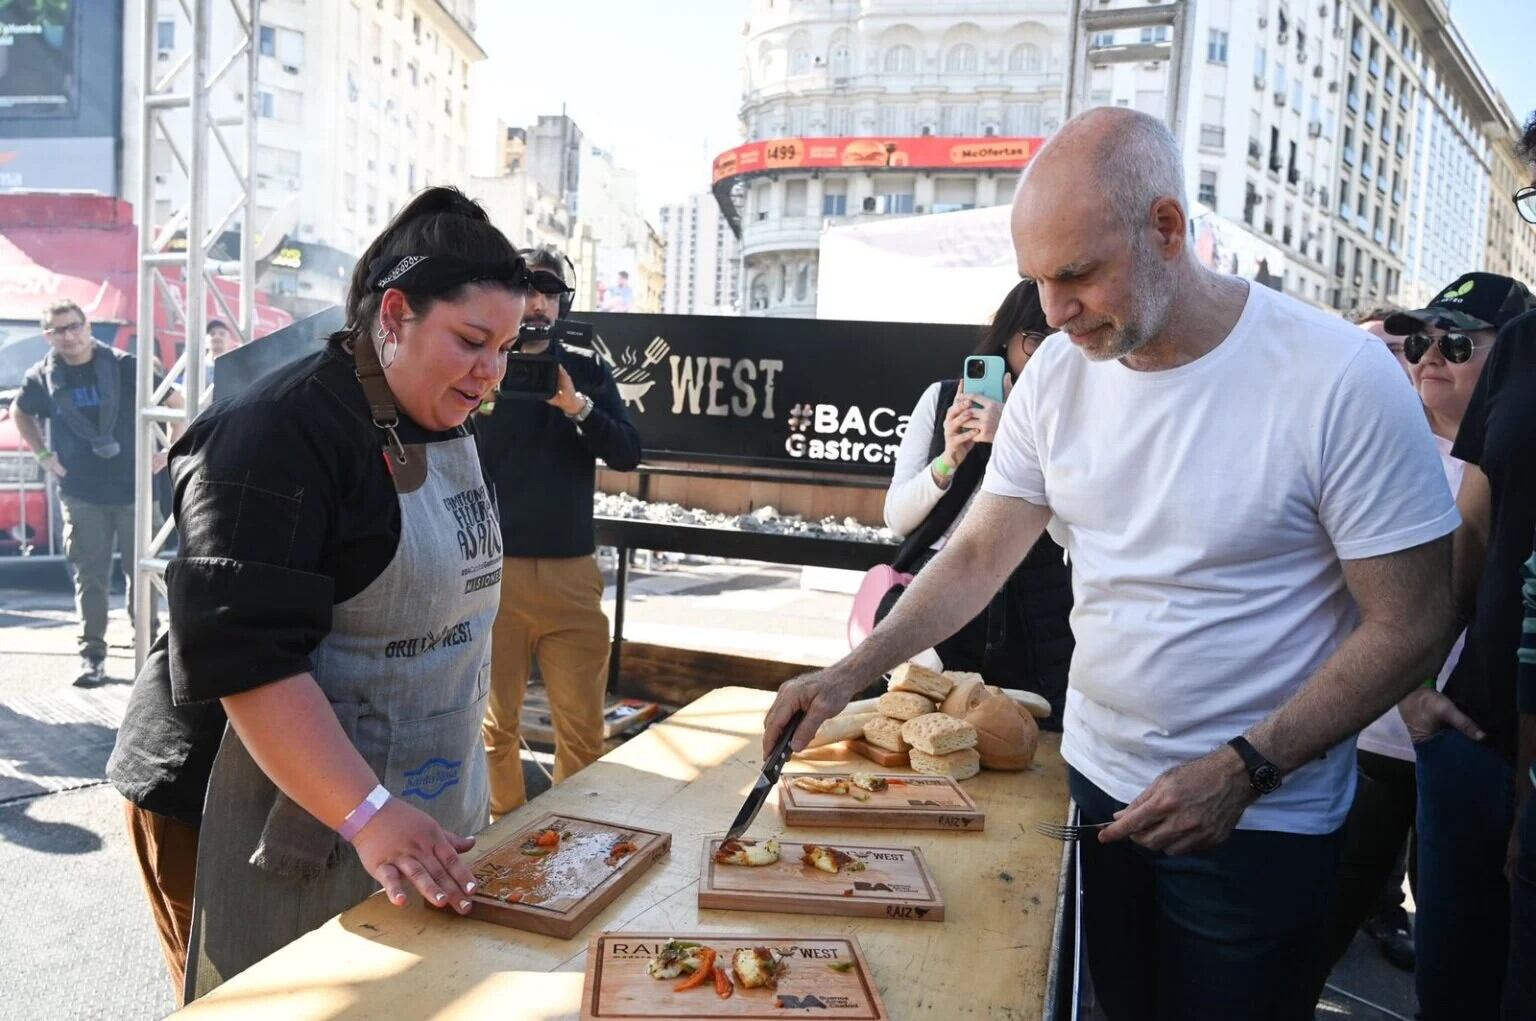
(1213, 136)
(785, 234)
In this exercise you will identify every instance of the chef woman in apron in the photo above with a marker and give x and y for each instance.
(338, 578)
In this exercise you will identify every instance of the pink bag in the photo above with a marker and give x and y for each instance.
(866, 602)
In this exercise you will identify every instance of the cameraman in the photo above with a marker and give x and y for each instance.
(541, 458)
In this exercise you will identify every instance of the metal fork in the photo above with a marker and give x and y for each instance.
(1066, 833)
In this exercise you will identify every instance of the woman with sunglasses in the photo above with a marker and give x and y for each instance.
(1466, 736)
(1023, 639)
(337, 583)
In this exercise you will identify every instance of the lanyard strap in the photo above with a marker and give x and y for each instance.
(381, 399)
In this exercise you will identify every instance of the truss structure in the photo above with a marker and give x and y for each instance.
(179, 96)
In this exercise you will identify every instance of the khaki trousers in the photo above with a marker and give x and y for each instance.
(551, 609)
(166, 850)
(91, 532)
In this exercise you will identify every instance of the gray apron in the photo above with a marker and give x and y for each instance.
(406, 668)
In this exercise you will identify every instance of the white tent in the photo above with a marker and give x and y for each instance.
(941, 268)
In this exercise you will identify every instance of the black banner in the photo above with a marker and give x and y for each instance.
(821, 395)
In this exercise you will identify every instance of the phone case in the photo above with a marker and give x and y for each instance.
(991, 382)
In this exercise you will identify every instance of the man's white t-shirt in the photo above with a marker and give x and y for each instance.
(1205, 509)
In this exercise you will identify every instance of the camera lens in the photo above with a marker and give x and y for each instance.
(975, 370)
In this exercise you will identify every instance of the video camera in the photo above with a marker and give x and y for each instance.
(537, 377)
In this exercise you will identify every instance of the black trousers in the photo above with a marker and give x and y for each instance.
(1371, 865)
(1228, 934)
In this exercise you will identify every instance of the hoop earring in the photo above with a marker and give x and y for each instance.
(389, 350)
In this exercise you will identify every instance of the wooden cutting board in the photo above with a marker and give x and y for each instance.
(558, 894)
(912, 802)
(894, 883)
(880, 756)
(619, 987)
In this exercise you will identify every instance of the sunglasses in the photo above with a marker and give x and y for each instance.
(1525, 202)
(1456, 348)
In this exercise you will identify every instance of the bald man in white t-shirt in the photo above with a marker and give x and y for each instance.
(1259, 532)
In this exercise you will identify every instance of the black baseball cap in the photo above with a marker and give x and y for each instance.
(1475, 301)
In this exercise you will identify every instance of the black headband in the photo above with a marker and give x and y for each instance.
(436, 274)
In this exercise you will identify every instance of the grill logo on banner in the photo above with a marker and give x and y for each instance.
(479, 530)
(431, 778)
(631, 372)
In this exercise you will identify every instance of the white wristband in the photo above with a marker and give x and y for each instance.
(360, 816)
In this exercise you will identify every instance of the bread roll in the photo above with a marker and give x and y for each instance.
(883, 732)
(841, 728)
(921, 681)
(1006, 734)
(961, 765)
(1036, 704)
(903, 705)
(964, 696)
(938, 734)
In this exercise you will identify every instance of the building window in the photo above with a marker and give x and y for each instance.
(840, 120)
(1104, 40)
(1155, 34)
(165, 35)
(266, 105)
(834, 205)
(957, 119)
(801, 63)
(1216, 47)
(901, 59)
(268, 41)
(841, 60)
(961, 59)
(1022, 119)
(1207, 193)
(898, 119)
(1025, 59)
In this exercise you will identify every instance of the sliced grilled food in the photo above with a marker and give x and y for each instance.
(757, 967)
(829, 859)
(748, 852)
(678, 957)
(823, 784)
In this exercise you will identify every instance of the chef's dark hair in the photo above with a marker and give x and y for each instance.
(438, 221)
(1019, 311)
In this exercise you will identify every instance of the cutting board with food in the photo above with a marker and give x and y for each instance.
(819, 879)
(650, 976)
(553, 875)
(879, 801)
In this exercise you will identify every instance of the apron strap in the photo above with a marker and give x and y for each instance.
(381, 399)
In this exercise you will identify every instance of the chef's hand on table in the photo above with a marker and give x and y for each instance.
(822, 695)
(404, 844)
(1189, 808)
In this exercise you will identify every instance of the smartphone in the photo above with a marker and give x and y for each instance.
(984, 376)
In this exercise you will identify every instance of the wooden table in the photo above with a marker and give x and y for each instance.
(689, 775)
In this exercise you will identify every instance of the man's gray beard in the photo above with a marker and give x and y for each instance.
(1150, 300)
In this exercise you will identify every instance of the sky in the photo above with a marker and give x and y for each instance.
(659, 84)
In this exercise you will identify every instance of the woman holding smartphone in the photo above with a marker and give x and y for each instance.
(1023, 639)
(337, 582)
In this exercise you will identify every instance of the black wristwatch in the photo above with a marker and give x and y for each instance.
(1263, 775)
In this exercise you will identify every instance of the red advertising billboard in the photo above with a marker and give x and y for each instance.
(923, 152)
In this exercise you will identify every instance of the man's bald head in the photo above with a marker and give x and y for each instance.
(1099, 222)
(1128, 159)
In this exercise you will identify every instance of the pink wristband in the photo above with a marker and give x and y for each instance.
(359, 817)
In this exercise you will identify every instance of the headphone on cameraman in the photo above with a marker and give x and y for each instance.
(568, 298)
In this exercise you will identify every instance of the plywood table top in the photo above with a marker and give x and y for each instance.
(688, 776)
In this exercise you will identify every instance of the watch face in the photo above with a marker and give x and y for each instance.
(1265, 778)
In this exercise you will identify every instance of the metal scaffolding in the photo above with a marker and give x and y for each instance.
(177, 116)
(1089, 23)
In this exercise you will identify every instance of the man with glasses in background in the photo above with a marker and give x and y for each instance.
(86, 390)
(541, 457)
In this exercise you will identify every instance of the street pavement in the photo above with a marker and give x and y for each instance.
(77, 940)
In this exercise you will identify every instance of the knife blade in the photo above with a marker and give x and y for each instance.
(772, 766)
